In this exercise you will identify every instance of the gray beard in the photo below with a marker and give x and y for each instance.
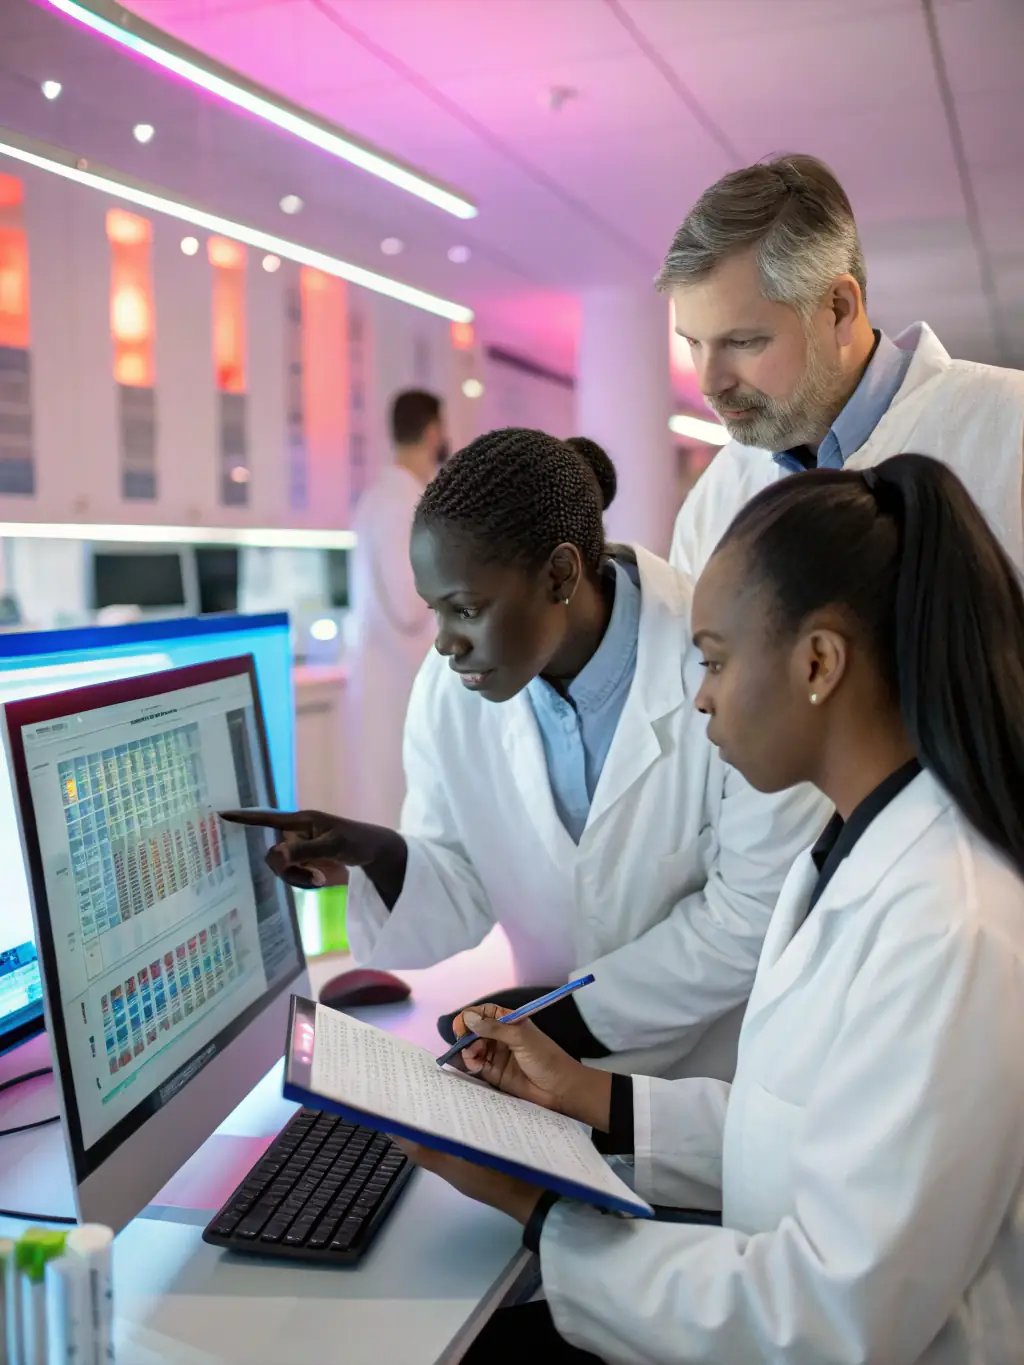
(802, 419)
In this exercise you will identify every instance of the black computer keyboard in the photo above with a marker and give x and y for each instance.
(319, 1193)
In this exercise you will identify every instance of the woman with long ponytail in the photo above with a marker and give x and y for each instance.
(862, 632)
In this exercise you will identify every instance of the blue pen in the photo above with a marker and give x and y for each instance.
(534, 1007)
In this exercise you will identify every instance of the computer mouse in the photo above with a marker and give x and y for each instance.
(363, 986)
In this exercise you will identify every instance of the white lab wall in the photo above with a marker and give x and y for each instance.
(49, 578)
(186, 398)
(514, 397)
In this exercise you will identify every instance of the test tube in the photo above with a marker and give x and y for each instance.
(68, 1340)
(10, 1318)
(93, 1245)
(31, 1253)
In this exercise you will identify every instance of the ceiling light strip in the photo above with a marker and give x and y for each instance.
(61, 163)
(273, 538)
(125, 28)
(698, 429)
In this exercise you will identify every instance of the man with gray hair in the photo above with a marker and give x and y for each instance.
(768, 282)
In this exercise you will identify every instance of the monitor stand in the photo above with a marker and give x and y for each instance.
(35, 1178)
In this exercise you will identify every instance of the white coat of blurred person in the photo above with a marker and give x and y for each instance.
(392, 629)
(768, 283)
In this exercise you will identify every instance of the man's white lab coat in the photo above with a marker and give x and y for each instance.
(392, 630)
(971, 417)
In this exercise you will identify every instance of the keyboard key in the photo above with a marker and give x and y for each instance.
(275, 1230)
(347, 1234)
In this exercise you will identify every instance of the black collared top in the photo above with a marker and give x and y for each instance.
(839, 836)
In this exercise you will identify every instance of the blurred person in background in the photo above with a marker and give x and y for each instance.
(768, 282)
(392, 628)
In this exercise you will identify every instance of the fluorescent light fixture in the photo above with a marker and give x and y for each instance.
(698, 429)
(127, 29)
(51, 89)
(143, 132)
(291, 204)
(58, 162)
(459, 255)
(271, 263)
(271, 538)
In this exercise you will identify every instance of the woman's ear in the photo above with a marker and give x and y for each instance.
(824, 657)
(565, 570)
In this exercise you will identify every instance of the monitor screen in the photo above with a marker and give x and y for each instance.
(217, 572)
(152, 580)
(337, 578)
(162, 932)
(37, 663)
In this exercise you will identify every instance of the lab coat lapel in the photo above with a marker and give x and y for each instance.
(794, 935)
(657, 689)
(524, 750)
(782, 957)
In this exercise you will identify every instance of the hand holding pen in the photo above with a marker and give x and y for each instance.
(519, 1059)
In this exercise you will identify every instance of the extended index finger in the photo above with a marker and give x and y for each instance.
(265, 818)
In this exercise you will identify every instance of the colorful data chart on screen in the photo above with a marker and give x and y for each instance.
(161, 998)
(140, 827)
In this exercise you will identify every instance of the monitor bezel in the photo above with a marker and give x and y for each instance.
(26, 644)
(55, 706)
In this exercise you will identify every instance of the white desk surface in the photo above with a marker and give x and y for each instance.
(438, 1260)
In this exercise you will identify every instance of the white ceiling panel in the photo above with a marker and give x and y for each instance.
(669, 95)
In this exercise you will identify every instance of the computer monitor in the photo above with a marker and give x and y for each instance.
(217, 575)
(168, 948)
(35, 663)
(161, 580)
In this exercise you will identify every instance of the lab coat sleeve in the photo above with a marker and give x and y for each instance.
(443, 908)
(903, 1167)
(699, 961)
(677, 1141)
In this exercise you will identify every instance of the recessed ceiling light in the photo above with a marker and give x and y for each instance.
(189, 246)
(459, 255)
(392, 246)
(271, 263)
(154, 200)
(51, 89)
(291, 203)
(472, 388)
(143, 132)
(239, 474)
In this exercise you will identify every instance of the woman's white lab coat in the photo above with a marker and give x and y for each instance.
(870, 1152)
(668, 895)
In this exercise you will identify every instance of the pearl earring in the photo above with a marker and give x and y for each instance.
(814, 698)
(566, 600)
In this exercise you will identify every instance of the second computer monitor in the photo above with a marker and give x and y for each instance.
(168, 949)
(33, 663)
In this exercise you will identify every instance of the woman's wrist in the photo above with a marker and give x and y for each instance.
(587, 1096)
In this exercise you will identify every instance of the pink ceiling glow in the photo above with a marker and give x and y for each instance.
(669, 94)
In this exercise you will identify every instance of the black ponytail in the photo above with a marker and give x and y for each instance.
(905, 550)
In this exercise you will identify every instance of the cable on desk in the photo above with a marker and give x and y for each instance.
(27, 1127)
(23, 1217)
(27, 1076)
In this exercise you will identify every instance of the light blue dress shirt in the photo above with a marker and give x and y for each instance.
(864, 409)
(578, 733)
